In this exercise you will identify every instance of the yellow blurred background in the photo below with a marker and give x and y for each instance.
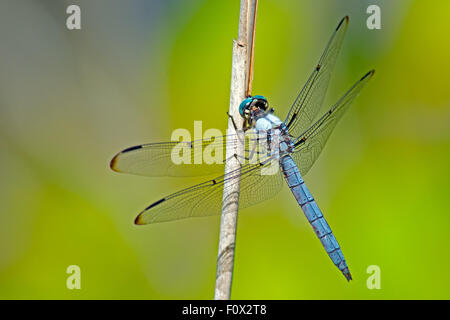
(137, 70)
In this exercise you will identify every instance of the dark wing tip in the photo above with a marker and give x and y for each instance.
(113, 163)
(368, 74)
(139, 220)
(344, 21)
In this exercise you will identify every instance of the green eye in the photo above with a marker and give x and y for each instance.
(259, 97)
(244, 104)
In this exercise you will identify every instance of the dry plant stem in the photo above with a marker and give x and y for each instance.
(240, 75)
(251, 37)
(230, 203)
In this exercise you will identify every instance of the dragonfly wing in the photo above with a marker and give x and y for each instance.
(309, 145)
(310, 98)
(200, 157)
(205, 199)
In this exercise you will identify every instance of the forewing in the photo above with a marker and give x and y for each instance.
(310, 98)
(202, 157)
(310, 144)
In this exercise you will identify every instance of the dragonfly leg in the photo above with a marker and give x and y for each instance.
(245, 126)
(232, 120)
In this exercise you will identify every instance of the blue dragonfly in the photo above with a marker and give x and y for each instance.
(293, 144)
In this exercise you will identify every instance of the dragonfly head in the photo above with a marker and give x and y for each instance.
(252, 103)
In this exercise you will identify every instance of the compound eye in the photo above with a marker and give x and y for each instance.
(244, 106)
(261, 104)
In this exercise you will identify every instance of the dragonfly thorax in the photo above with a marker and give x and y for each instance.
(259, 117)
(266, 121)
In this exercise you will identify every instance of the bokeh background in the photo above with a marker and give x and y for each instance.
(137, 70)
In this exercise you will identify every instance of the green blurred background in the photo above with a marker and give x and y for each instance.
(139, 69)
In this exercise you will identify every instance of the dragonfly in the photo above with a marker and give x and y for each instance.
(300, 139)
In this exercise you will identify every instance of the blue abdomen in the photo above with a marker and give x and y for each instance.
(313, 213)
